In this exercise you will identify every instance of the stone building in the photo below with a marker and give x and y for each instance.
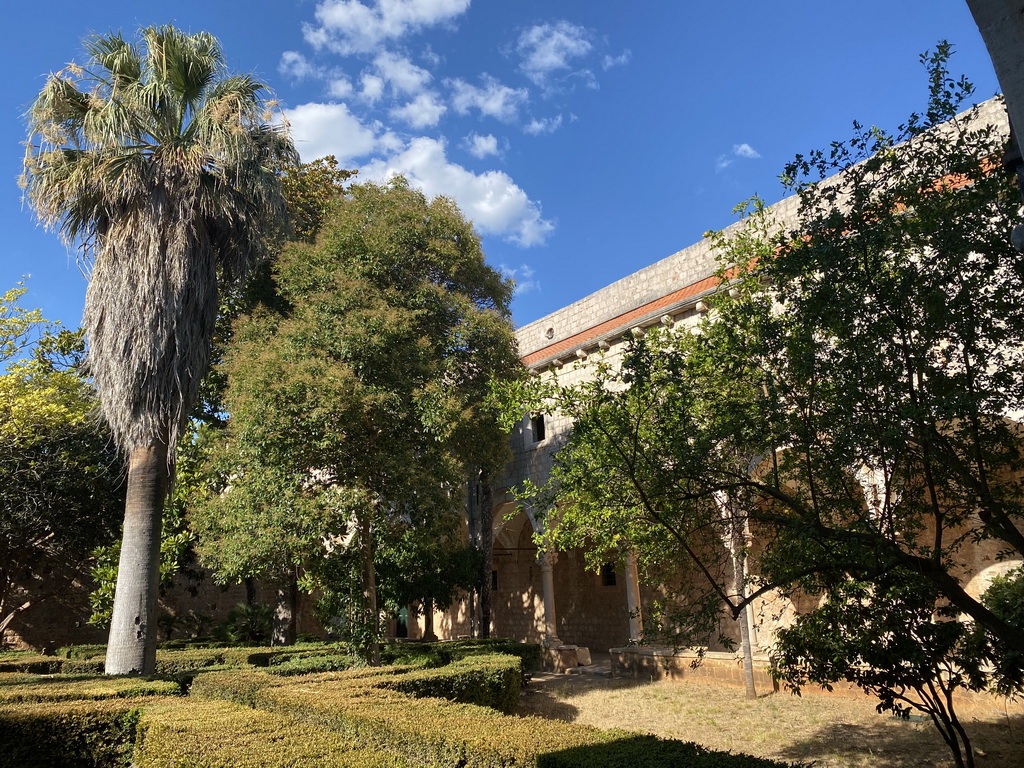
(554, 599)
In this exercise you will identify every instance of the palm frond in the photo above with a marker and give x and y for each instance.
(161, 169)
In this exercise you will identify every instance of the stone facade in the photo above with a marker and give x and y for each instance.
(586, 612)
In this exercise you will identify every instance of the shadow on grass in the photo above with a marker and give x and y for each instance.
(649, 752)
(547, 695)
(893, 743)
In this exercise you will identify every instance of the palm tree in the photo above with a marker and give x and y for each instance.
(164, 170)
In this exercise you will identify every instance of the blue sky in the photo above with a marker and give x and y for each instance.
(586, 140)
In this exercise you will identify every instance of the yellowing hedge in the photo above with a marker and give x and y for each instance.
(220, 734)
(18, 689)
(70, 734)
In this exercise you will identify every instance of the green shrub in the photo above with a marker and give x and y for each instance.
(213, 734)
(442, 653)
(73, 734)
(93, 666)
(306, 665)
(489, 681)
(426, 731)
(23, 689)
(29, 662)
(239, 686)
(173, 662)
(82, 651)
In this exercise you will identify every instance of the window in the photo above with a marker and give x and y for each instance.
(537, 425)
(494, 579)
(608, 575)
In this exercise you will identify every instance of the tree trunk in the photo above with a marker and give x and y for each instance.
(6, 622)
(285, 610)
(746, 651)
(487, 549)
(371, 616)
(736, 542)
(131, 648)
(428, 620)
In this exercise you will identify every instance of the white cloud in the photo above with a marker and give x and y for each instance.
(494, 202)
(543, 125)
(616, 61)
(403, 76)
(371, 88)
(481, 146)
(340, 88)
(350, 26)
(330, 129)
(493, 100)
(422, 112)
(744, 151)
(296, 66)
(548, 48)
(523, 277)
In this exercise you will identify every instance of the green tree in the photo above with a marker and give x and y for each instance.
(357, 399)
(60, 481)
(884, 637)
(163, 169)
(850, 396)
(311, 190)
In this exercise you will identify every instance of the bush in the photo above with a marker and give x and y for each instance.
(240, 687)
(33, 689)
(488, 681)
(29, 662)
(212, 734)
(82, 651)
(426, 731)
(306, 665)
(74, 734)
(83, 666)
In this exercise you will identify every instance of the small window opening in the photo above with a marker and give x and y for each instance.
(494, 579)
(608, 575)
(537, 425)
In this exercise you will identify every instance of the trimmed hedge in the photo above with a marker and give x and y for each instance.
(309, 665)
(427, 731)
(488, 681)
(94, 651)
(29, 663)
(31, 689)
(69, 734)
(373, 706)
(240, 687)
(361, 717)
(216, 734)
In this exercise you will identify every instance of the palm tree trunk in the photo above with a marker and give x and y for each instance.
(131, 648)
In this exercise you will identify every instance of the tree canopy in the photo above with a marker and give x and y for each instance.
(164, 170)
(853, 397)
(61, 481)
(357, 396)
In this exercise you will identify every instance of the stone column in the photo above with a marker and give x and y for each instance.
(636, 623)
(547, 578)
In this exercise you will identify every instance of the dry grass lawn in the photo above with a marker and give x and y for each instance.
(831, 731)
